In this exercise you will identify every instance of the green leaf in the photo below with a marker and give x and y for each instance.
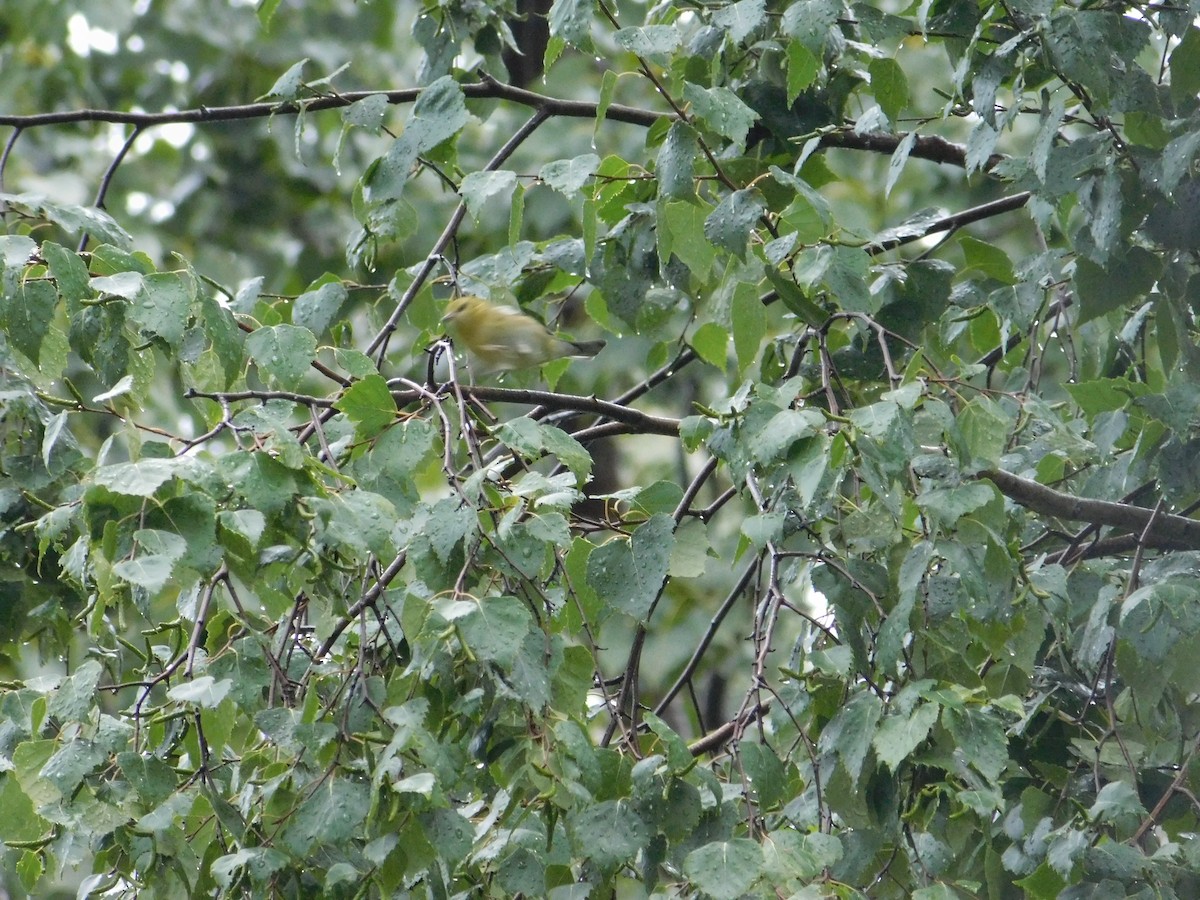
(725, 869)
(368, 113)
(945, 506)
(1104, 202)
(893, 634)
(1043, 884)
(330, 815)
(985, 425)
(227, 339)
(439, 113)
(479, 187)
(1126, 279)
(766, 773)
(25, 316)
(288, 85)
(316, 309)
(763, 528)
(70, 274)
(74, 761)
(900, 734)
(628, 573)
(802, 69)
(851, 732)
(571, 20)
(783, 430)
(608, 89)
(531, 439)
(898, 159)
(15, 252)
(494, 628)
(149, 571)
(749, 325)
(449, 833)
(681, 232)
(608, 833)
(979, 734)
(449, 523)
(721, 110)
(163, 305)
(730, 224)
(369, 405)
(809, 21)
(356, 521)
(142, 478)
(568, 176)
(676, 162)
(889, 85)
(283, 353)
(739, 20)
(1117, 800)
(20, 821)
(259, 864)
(204, 691)
(69, 217)
(846, 279)
(126, 284)
(76, 696)
(789, 855)
(152, 778)
(795, 300)
(987, 259)
(1185, 67)
(711, 342)
(936, 892)
(648, 40)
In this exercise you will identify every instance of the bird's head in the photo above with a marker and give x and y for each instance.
(461, 306)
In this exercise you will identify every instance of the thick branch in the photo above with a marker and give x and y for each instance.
(1164, 531)
(927, 146)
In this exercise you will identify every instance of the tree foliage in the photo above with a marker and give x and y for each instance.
(859, 563)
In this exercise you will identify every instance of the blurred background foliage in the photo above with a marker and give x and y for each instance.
(788, 592)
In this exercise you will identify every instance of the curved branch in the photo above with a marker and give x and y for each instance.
(709, 635)
(1162, 531)
(106, 181)
(8, 148)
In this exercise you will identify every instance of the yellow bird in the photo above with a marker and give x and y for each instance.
(503, 337)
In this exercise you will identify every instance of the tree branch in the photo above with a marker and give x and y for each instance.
(1163, 531)
(644, 423)
(927, 147)
(905, 235)
(718, 737)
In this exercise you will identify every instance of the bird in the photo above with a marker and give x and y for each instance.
(503, 337)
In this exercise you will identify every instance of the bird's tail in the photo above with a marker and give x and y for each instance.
(586, 348)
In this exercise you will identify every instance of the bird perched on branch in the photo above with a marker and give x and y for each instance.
(503, 337)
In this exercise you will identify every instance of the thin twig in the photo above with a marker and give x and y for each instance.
(106, 181)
